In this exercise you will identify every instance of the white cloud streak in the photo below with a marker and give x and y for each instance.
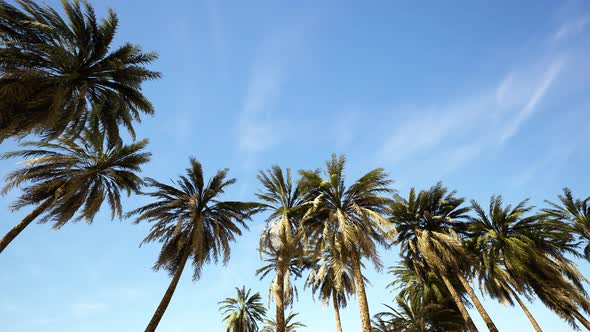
(544, 84)
(460, 131)
(571, 28)
(257, 128)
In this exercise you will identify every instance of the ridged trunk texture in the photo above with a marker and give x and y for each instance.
(336, 312)
(459, 303)
(361, 295)
(15, 231)
(280, 294)
(526, 310)
(168, 295)
(482, 311)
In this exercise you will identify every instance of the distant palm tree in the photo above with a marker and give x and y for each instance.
(290, 325)
(419, 286)
(352, 220)
(66, 176)
(427, 226)
(416, 316)
(59, 75)
(281, 241)
(575, 213)
(192, 222)
(243, 312)
(332, 280)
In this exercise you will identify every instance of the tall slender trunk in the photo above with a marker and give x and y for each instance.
(482, 311)
(168, 295)
(525, 309)
(459, 303)
(336, 312)
(361, 294)
(582, 319)
(15, 231)
(280, 293)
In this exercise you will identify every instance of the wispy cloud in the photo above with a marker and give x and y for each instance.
(257, 129)
(570, 28)
(543, 86)
(556, 155)
(456, 132)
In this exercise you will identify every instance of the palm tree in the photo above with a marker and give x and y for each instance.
(575, 214)
(191, 222)
(59, 74)
(290, 326)
(524, 254)
(428, 226)
(351, 220)
(73, 176)
(243, 312)
(332, 279)
(281, 240)
(415, 316)
(501, 241)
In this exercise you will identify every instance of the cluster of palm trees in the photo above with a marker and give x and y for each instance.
(61, 83)
(322, 225)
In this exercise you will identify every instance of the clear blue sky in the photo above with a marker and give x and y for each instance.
(488, 96)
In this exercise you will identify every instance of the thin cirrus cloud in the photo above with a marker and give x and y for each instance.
(481, 121)
(257, 124)
(543, 85)
(570, 28)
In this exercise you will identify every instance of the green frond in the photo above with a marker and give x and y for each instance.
(190, 215)
(76, 176)
(60, 77)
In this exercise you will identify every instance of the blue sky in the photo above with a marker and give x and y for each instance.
(490, 96)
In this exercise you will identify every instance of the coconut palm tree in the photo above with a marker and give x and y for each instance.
(500, 240)
(574, 213)
(59, 74)
(332, 279)
(69, 179)
(518, 252)
(352, 219)
(290, 325)
(416, 316)
(192, 222)
(243, 312)
(281, 240)
(428, 226)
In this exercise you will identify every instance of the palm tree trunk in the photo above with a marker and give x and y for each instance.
(280, 294)
(15, 231)
(168, 295)
(482, 311)
(582, 319)
(336, 312)
(457, 299)
(361, 294)
(525, 309)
